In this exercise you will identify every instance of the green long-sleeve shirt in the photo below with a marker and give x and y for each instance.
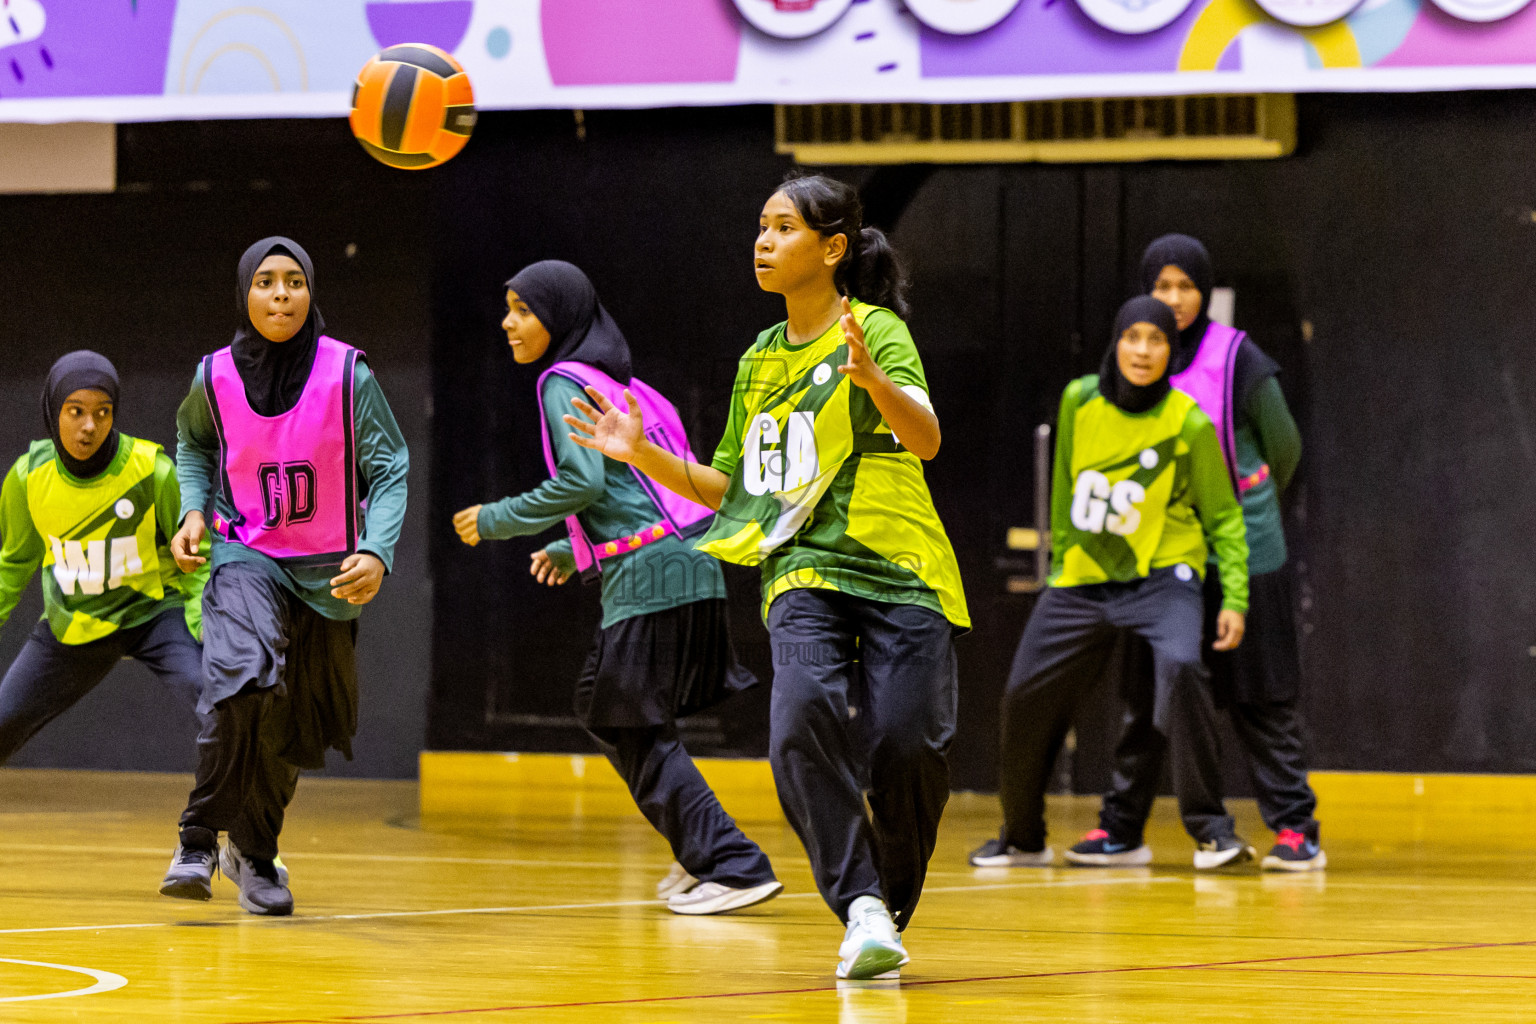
(1134, 492)
(382, 461)
(103, 542)
(610, 503)
(1266, 433)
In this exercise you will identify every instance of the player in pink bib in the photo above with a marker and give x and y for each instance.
(284, 434)
(663, 650)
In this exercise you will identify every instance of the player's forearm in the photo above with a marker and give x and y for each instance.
(703, 484)
(917, 427)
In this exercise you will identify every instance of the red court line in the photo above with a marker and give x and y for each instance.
(1382, 974)
(915, 984)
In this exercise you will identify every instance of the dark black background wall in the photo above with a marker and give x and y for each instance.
(1387, 265)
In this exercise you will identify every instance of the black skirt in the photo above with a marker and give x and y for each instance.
(1265, 668)
(257, 634)
(650, 670)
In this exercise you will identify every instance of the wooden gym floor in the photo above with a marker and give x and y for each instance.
(532, 906)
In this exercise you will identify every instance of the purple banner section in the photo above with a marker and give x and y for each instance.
(92, 48)
(1054, 37)
(632, 42)
(1439, 40)
(439, 23)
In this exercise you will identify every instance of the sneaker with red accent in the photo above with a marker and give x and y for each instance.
(1099, 849)
(1293, 851)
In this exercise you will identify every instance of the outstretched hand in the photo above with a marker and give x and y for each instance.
(860, 367)
(615, 432)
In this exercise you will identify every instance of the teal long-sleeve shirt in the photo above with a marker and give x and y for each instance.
(383, 462)
(1266, 433)
(610, 503)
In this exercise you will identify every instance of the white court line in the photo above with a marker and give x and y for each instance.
(536, 909)
(303, 855)
(106, 981)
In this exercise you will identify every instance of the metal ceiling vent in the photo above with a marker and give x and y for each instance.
(1049, 131)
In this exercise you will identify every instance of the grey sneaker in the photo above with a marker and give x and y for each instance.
(261, 890)
(1223, 852)
(190, 876)
(997, 853)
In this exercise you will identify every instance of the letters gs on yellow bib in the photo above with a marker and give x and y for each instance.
(1136, 492)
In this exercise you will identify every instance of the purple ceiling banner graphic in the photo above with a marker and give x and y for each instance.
(125, 60)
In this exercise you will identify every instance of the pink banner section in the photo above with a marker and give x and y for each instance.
(626, 42)
(1439, 39)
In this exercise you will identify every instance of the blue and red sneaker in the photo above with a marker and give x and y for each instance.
(1293, 851)
(1099, 849)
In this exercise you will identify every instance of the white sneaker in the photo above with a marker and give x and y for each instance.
(678, 880)
(714, 898)
(871, 948)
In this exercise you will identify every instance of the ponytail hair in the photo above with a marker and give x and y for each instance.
(871, 270)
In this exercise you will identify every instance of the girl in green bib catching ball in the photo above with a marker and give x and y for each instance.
(819, 480)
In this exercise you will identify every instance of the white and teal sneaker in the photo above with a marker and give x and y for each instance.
(871, 949)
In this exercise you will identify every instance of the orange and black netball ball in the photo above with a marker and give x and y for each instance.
(413, 107)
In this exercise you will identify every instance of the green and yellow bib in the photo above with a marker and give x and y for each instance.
(1123, 513)
(102, 564)
(822, 502)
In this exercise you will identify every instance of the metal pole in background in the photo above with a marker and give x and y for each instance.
(1043, 501)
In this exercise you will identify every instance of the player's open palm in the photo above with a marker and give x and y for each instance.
(606, 428)
(860, 367)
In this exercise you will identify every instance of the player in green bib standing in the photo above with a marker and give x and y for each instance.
(1140, 494)
(1259, 683)
(819, 480)
(95, 509)
(663, 650)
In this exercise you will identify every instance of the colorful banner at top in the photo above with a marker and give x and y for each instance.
(123, 60)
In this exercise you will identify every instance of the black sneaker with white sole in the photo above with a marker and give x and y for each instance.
(190, 876)
(1294, 851)
(999, 853)
(1223, 853)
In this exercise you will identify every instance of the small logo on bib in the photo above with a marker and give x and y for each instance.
(123, 508)
(1184, 572)
(822, 374)
(1149, 458)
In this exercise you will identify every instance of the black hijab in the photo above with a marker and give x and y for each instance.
(1112, 384)
(77, 370)
(1190, 256)
(580, 329)
(274, 373)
